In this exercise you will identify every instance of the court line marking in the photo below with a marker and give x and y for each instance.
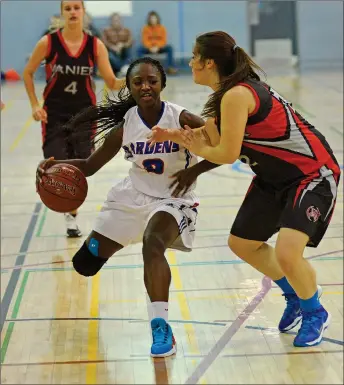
(232, 330)
(119, 255)
(206, 362)
(21, 291)
(94, 362)
(92, 351)
(14, 315)
(32, 267)
(183, 304)
(42, 221)
(13, 320)
(327, 339)
(21, 134)
(277, 353)
(145, 359)
(130, 320)
(12, 284)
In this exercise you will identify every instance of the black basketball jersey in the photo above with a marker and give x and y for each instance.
(279, 144)
(69, 77)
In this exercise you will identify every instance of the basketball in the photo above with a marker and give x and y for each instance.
(63, 189)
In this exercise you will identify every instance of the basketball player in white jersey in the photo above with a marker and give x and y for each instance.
(143, 207)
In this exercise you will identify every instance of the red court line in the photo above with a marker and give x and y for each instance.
(73, 362)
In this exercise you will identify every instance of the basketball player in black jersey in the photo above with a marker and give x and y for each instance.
(70, 57)
(295, 187)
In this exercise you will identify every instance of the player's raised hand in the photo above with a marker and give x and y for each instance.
(157, 135)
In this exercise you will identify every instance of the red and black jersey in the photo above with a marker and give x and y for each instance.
(69, 77)
(280, 145)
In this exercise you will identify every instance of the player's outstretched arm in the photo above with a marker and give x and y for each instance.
(111, 146)
(105, 69)
(207, 132)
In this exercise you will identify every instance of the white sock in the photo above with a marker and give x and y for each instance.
(159, 310)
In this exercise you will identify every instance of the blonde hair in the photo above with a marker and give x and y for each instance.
(82, 2)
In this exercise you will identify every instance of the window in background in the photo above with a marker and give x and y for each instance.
(106, 8)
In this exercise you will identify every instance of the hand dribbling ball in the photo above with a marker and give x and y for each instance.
(63, 188)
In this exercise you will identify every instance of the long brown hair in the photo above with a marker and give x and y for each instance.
(233, 65)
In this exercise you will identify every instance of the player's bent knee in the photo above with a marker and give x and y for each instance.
(153, 245)
(86, 261)
(243, 247)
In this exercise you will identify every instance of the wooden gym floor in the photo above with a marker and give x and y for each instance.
(60, 328)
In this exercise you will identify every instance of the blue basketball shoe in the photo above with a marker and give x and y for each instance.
(164, 344)
(314, 323)
(292, 314)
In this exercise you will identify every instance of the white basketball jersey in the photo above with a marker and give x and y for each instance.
(152, 167)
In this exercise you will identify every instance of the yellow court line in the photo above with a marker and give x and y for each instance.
(21, 134)
(92, 353)
(184, 307)
(8, 105)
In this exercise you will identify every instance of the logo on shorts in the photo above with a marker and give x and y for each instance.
(313, 213)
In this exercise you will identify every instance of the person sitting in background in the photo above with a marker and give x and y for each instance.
(154, 40)
(118, 41)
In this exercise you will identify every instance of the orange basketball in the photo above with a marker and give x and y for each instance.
(63, 188)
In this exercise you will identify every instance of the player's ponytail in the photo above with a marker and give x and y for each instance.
(232, 63)
(96, 121)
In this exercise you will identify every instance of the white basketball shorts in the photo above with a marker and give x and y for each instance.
(126, 212)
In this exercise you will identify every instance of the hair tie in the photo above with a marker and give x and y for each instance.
(235, 47)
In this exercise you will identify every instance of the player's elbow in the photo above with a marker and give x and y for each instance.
(87, 167)
(27, 73)
(231, 159)
(228, 157)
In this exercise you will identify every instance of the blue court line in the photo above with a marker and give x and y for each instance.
(333, 341)
(196, 263)
(12, 284)
(141, 320)
(265, 354)
(130, 320)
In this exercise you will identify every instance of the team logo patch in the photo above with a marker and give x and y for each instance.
(313, 213)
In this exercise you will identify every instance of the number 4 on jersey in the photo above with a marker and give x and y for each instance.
(71, 88)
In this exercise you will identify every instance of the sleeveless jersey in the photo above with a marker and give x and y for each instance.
(152, 167)
(69, 77)
(280, 145)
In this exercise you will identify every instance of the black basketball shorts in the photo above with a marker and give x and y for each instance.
(58, 144)
(307, 207)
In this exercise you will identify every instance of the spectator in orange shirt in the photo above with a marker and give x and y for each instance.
(154, 40)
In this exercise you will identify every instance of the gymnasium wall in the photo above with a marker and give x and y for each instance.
(320, 33)
(320, 26)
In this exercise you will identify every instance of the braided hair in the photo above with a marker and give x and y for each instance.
(97, 121)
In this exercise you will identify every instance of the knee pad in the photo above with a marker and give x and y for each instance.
(86, 261)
